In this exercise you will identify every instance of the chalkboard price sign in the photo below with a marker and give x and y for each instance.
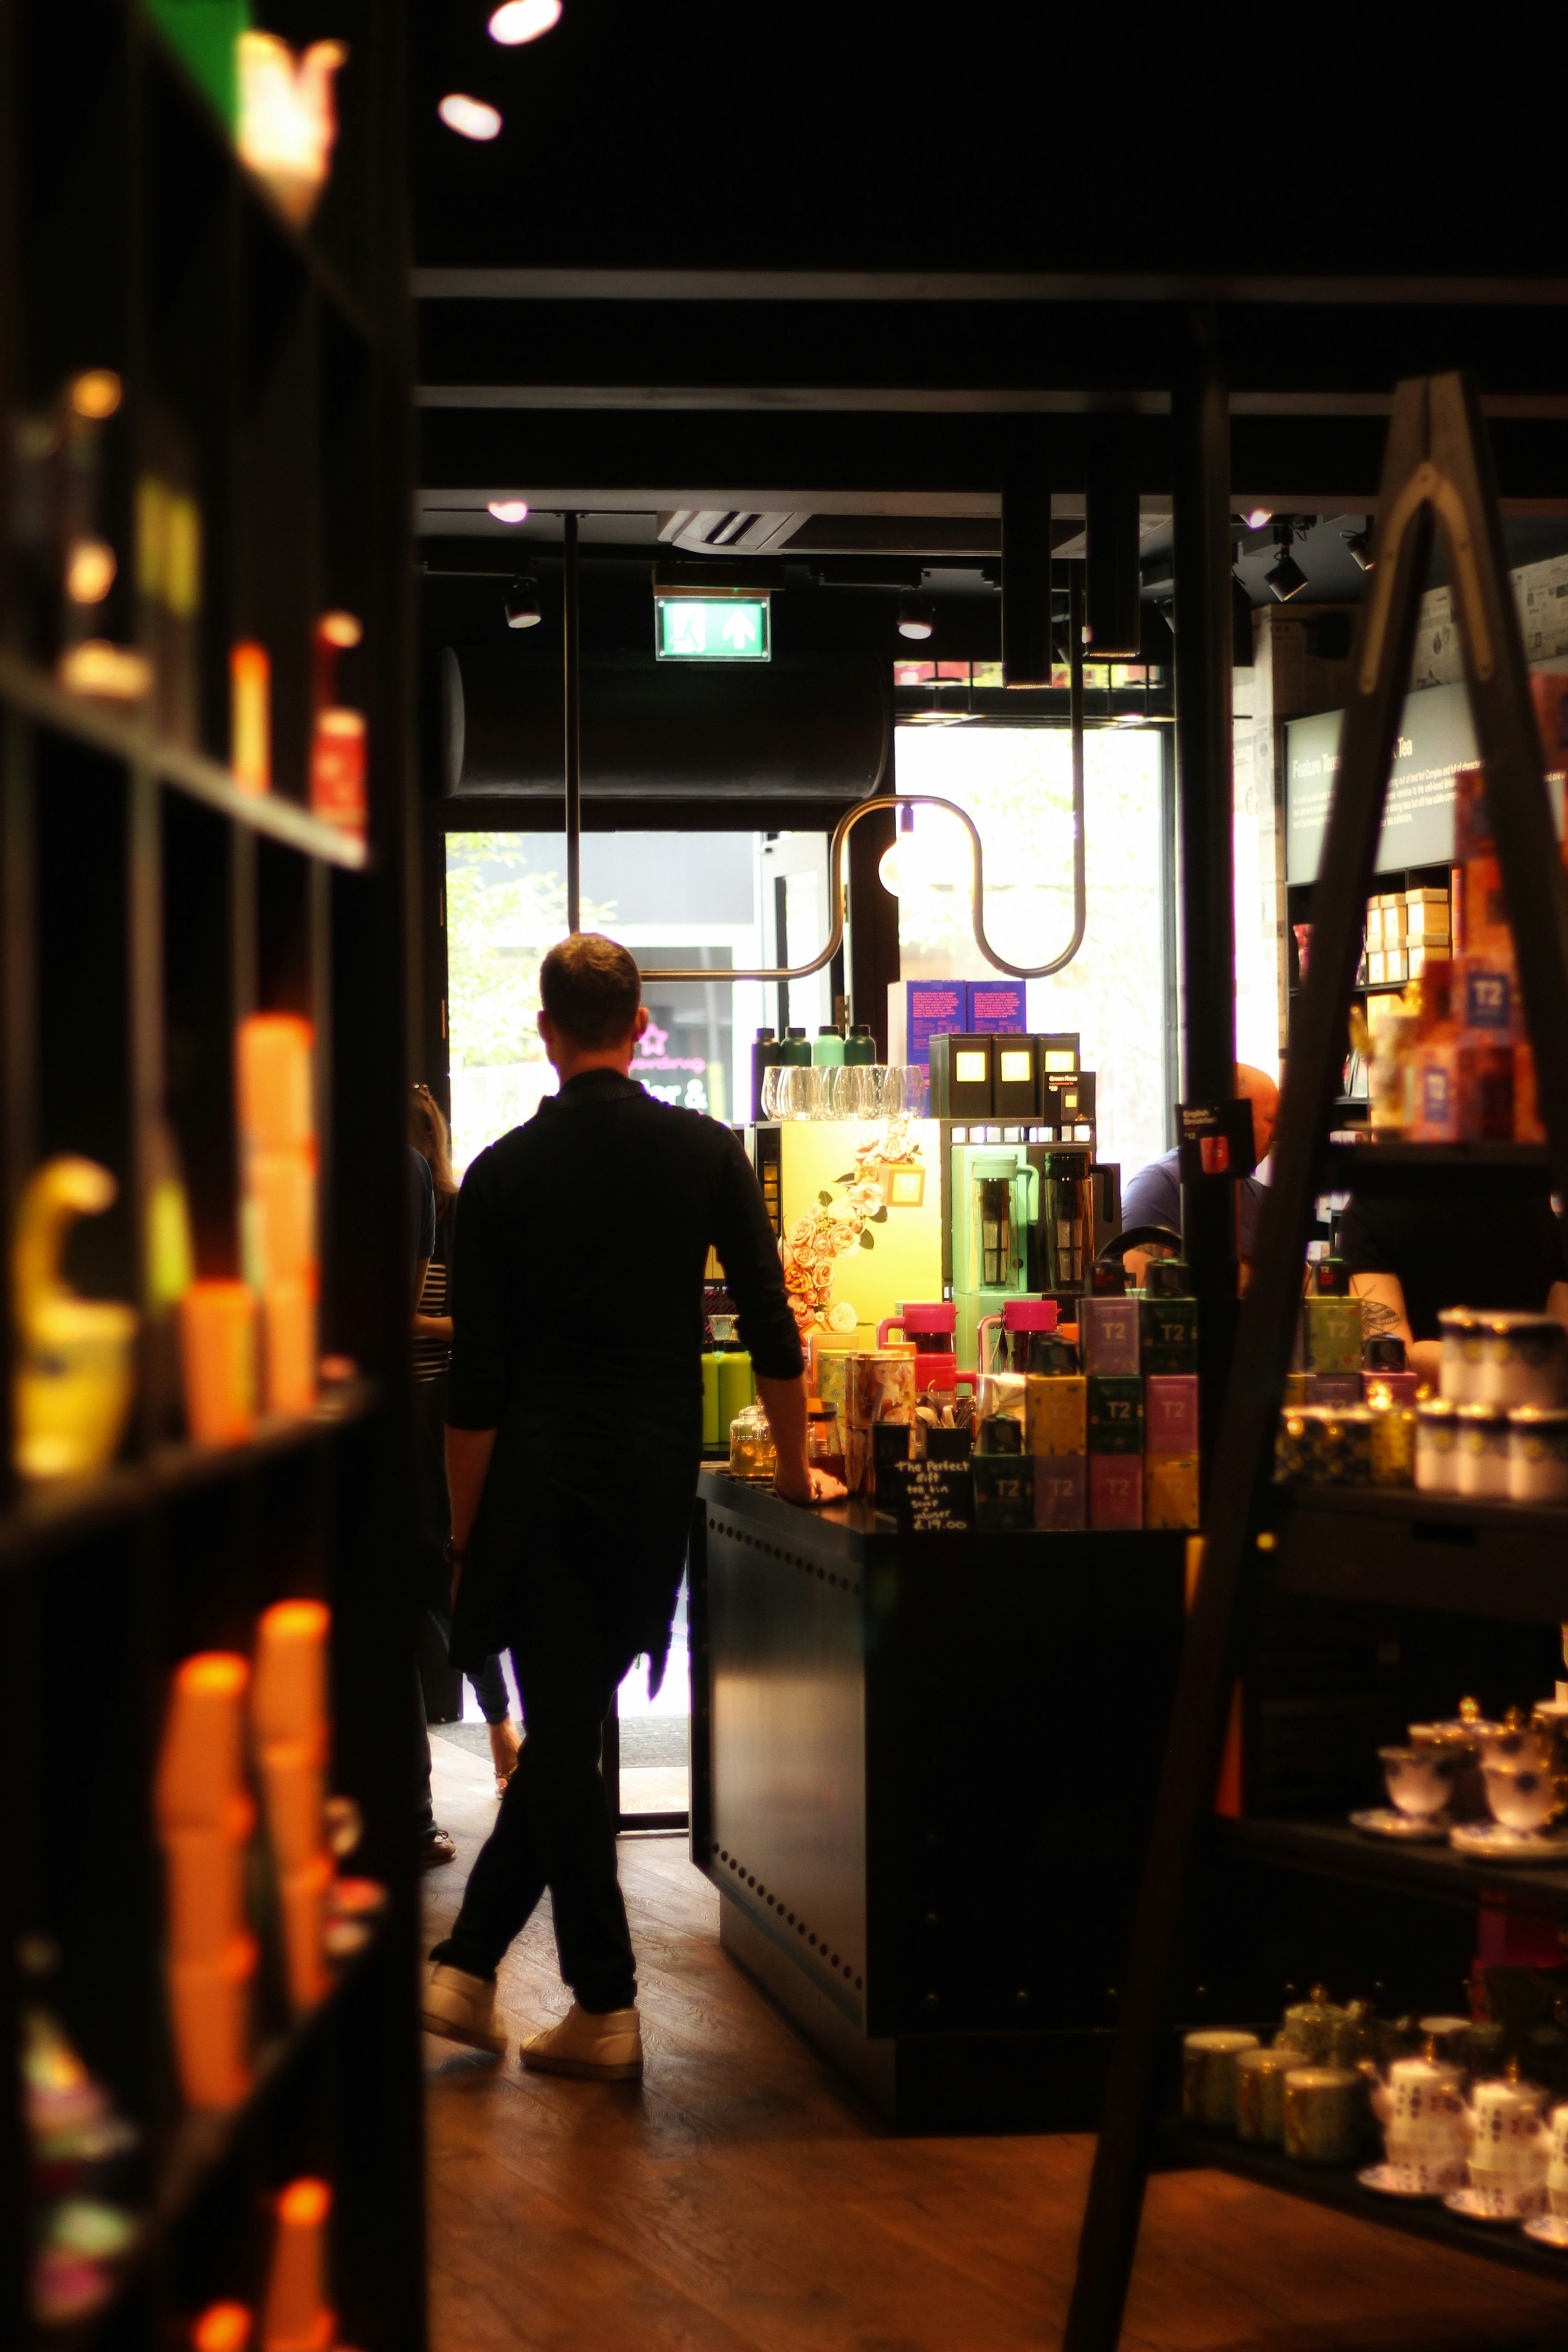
(932, 1498)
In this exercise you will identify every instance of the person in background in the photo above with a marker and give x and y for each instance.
(432, 1357)
(1154, 1195)
(435, 1845)
(572, 1447)
(1409, 1257)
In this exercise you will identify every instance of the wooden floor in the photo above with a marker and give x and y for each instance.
(740, 2200)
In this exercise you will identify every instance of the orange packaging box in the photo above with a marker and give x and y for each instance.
(204, 1874)
(1169, 1490)
(1486, 907)
(217, 1361)
(201, 1760)
(276, 1109)
(289, 1345)
(295, 2315)
(209, 2002)
(1528, 1124)
(289, 1701)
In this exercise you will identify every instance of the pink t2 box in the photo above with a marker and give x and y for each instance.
(1108, 1333)
(1170, 1411)
(1115, 1491)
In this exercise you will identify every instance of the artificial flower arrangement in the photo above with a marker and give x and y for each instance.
(830, 1230)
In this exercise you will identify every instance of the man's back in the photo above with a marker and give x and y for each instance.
(580, 1246)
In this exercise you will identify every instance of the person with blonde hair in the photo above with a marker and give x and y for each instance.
(428, 1134)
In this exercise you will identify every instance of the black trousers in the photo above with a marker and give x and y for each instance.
(556, 1827)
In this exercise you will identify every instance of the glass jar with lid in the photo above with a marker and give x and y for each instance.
(753, 1453)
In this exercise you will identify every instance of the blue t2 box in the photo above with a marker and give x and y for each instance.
(932, 1008)
(996, 1008)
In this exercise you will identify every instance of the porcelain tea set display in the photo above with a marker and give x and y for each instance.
(1495, 2157)
(1452, 1775)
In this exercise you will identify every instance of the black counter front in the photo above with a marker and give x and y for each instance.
(921, 1775)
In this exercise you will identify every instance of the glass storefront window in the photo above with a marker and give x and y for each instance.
(1016, 784)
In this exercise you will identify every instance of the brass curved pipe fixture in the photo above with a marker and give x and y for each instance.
(841, 833)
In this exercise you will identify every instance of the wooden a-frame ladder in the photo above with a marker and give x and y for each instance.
(1438, 476)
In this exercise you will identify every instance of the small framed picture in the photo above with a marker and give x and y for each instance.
(904, 1184)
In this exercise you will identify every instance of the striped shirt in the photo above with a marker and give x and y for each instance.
(432, 1355)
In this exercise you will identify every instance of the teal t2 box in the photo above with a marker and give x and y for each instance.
(1170, 1332)
(1115, 1414)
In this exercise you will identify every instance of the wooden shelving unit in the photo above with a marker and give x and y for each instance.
(146, 906)
(1380, 1601)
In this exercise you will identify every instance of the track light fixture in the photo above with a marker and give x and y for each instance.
(522, 605)
(1285, 575)
(1358, 542)
(917, 616)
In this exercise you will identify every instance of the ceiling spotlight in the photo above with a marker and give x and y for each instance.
(1285, 575)
(1256, 517)
(470, 118)
(507, 509)
(522, 605)
(917, 616)
(1358, 542)
(516, 21)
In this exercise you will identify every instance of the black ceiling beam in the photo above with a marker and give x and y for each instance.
(1308, 463)
(818, 352)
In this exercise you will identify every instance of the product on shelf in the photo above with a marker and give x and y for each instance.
(223, 2327)
(295, 2314)
(75, 1372)
(1452, 1773)
(250, 716)
(288, 122)
(753, 1453)
(218, 1356)
(338, 747)
(82, 561)
(1208, 2074)
(1324, 2114)
(205, 1820)
(77, 2144)
(290, 1722)
(277, 1210)
(169, 577)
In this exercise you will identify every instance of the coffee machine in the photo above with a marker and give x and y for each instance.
(1026, 1221)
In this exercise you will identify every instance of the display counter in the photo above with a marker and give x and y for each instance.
(922, 1773)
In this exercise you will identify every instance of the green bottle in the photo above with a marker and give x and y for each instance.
(827, 1049)
(795, 1047)
(860, 1045)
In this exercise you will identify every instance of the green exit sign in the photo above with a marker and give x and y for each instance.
(711, 628)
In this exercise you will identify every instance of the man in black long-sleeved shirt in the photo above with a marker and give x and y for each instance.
(572, 1444)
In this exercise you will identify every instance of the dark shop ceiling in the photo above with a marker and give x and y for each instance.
(733, 290)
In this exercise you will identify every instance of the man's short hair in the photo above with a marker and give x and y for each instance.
(591, 988)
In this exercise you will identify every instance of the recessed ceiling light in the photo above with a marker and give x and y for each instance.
(470, 118)
(509, 510)
(516, 21)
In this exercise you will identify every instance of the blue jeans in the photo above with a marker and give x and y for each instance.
(488, 1683)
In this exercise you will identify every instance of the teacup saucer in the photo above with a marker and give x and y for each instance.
(1475, 2208)
(1383, 1821)
(1549, 2229)
(1491, 1841)
(1384, 2179)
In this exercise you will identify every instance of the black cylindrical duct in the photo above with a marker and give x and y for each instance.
(1027, 570)
(1110, 508)
(806, 726)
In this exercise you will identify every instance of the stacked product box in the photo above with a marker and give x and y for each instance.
(1116, 1446)
(1168, 1333)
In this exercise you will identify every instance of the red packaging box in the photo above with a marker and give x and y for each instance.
(1171, 1412)
(1061, 1490)
(1527, 1124)
(1486, 907)
(1472, 818)
(1115, 1491)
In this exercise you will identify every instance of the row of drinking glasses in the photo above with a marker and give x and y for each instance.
(845, 1090)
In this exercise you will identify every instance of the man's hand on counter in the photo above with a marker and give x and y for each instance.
(783, 1401)
(813, 1487)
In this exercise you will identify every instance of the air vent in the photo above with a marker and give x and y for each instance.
(727, 530)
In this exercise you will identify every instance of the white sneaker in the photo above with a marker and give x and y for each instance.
(461, 2008)
(607, 2048)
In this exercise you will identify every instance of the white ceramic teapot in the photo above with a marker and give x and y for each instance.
(1425, 2130)
(1508, 2149)
(1553, 2149)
